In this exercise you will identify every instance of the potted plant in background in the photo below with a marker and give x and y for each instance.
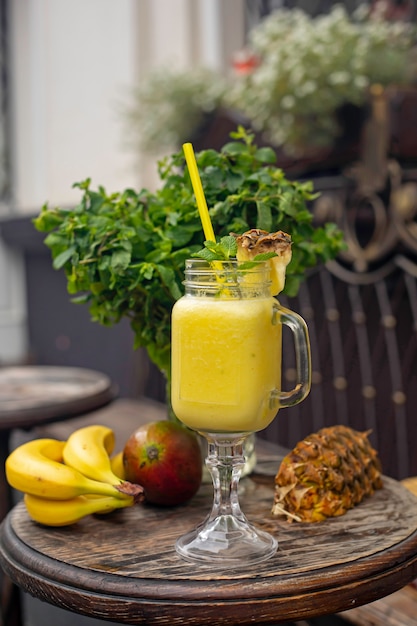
(304, 87)
(309, 68)
(171, 106)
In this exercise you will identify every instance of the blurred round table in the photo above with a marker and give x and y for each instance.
(37, 394)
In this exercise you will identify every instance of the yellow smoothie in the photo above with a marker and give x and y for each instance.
(226, 361)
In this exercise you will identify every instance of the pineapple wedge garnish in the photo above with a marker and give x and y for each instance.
(257, 241)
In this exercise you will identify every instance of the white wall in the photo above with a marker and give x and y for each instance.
(72, 60)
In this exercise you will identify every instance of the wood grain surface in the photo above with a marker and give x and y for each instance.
(123, 567)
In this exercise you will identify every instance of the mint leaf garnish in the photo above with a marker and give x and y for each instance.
(259, 258)
(226, 249)
(222, 250)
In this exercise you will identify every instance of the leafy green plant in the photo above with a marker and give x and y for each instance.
(123, 253)
(169, 103)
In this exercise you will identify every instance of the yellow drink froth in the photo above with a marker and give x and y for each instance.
(226, 361)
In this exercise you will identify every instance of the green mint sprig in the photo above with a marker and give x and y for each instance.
(222, 250)
(258, 258)
(226, 249)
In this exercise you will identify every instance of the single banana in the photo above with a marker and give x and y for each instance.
(66, 512)
(36, 467)
(117, 465)
(88, 450)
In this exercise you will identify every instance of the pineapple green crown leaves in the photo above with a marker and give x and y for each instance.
(123, 253)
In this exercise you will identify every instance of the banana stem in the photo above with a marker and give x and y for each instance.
(131, 489)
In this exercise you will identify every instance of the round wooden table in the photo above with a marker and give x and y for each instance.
(123, 567)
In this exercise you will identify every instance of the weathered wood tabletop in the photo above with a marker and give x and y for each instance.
(123, 567)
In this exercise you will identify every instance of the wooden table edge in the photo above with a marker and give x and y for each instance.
(31, 418)
(126, 601)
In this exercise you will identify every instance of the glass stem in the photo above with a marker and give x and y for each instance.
(225, 461)
(226, 537)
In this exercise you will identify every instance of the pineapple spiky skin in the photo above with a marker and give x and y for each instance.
(326, 474)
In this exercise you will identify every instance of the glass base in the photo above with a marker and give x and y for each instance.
(226, 538)
(227, 541)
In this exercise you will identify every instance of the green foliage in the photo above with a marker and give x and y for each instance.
(309, 67)
(168, 103)
(222, 250)
(226, 249)
(123, 253)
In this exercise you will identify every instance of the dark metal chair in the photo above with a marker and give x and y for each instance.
(361, 309)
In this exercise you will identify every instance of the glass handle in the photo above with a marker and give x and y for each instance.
(302, 357)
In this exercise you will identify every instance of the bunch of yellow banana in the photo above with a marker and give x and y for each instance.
(64, 481)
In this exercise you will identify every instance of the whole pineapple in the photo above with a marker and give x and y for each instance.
(326, 474)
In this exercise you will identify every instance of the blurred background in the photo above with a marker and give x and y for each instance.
(101, 89)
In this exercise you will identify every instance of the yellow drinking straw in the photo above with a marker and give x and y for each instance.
(198, 192)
